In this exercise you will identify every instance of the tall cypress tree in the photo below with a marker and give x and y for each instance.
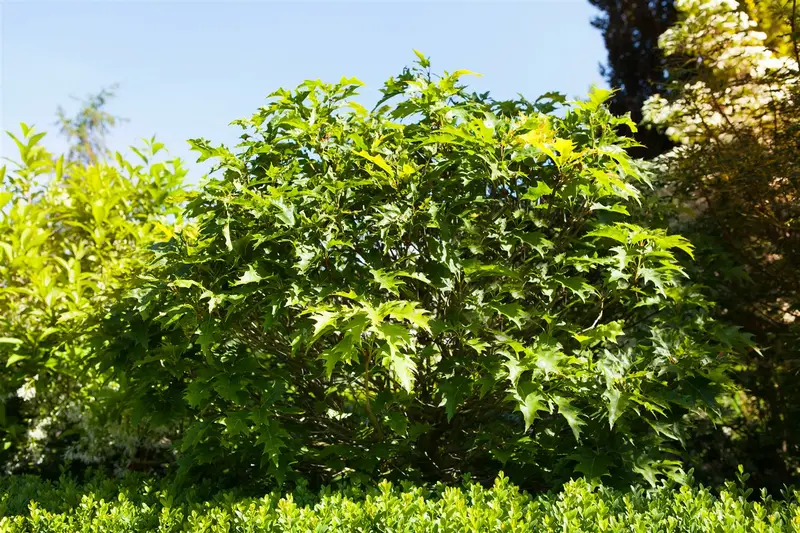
(636, 66)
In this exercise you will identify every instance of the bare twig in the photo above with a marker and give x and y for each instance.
(794, 33)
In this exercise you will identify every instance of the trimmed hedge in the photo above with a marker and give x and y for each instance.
(28, 504)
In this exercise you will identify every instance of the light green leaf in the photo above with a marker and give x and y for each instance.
(251, 276)
(616, 232)
(535, 240)
(226, 231)
(576, 285)
(15, 358)
(597, 97)
(213, 299)
(676, 241)
(477, 345)
(512, 311)
(654, 277)
(571, 415)
(424, 62)
(5, 197)
(474, 269)
(414, 275)
(341, 351)
(530, 406)
(71, 315)
(463, 72)
(403, 368)
(387, 280)
(285, 211)
(185, 283)
(614, 208)
(534, 193)
(323, 321)
(378, 160)
(646, 470)
(396, 335)
(566, 151)
(617, 402)
(403, 310)
(514, 369)
(548, 359)
(663, 428)
(601, 333)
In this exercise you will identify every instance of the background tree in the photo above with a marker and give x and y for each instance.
(778, 20)
(636, 66)
(86, 131)
(735, 181)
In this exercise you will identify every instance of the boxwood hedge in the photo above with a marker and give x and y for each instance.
(135, 504)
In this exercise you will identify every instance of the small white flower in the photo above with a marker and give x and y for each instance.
(37, 433)
(27, 391)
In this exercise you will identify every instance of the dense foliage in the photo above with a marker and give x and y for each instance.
(71, 233)
(137, 505)
(735, 180)
(448, 283)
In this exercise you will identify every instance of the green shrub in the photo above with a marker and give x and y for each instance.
(444, 284)
(71, 233)
(31, 505)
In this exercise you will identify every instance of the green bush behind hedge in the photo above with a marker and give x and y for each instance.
(135, 504)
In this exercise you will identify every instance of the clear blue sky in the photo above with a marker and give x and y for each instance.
(186, 69)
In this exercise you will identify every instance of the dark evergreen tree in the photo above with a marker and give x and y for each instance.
(636, 66)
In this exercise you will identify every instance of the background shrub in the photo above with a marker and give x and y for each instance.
(72, 233)
(732, 186)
